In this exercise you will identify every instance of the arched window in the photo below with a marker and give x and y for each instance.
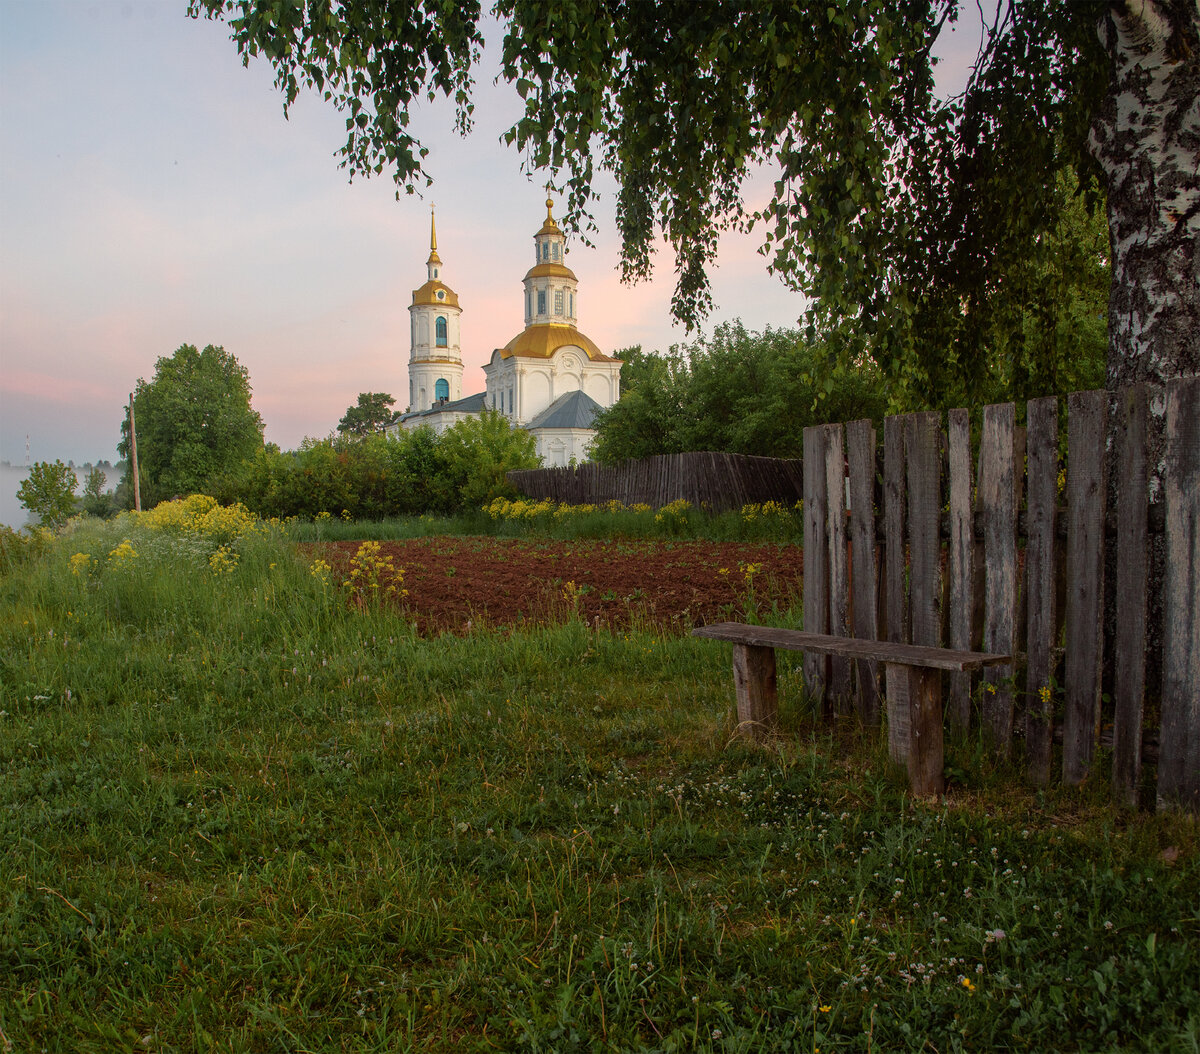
(441, 332)
(441, 389)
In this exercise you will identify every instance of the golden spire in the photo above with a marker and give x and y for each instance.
(432, 230)
(549, 206)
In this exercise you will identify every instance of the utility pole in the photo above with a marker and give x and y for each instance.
(137, 489)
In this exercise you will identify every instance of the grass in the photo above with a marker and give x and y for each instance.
(238, 813)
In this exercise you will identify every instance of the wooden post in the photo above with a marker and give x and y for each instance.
(915, 694)
(1179, 739)
(756, 689)
(137, 485)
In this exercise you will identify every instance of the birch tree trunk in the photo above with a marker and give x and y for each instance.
(1147, 140)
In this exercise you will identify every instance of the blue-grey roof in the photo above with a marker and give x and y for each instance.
(573, 410)
(468, 404)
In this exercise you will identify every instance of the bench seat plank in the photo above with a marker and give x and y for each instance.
(850, 647)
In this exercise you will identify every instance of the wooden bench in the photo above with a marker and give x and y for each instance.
(913, 686)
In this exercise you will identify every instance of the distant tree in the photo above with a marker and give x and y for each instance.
(194, 420)
(49, 492)
(95, 501)
(736, 391)
(373, 412)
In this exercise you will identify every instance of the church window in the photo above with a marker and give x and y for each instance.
(528, 303)
(435, 272)
(572, 305)
(556, 250)
(558, 301)
(545, 250)
(441, 389)
(541, 301)
(441, 332)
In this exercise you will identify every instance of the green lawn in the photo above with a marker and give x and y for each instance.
(238, 813)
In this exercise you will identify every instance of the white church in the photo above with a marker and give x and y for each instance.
(549, 379)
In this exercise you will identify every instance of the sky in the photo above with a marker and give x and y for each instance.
(152, 194)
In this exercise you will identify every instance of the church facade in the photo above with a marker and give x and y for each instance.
(550, 379)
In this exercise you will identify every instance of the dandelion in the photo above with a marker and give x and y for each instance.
(967, 984)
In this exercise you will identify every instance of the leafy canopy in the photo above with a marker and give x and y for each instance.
(194, 420)
(738, 391)
(372, 412)
(897, 212)
(49, 492)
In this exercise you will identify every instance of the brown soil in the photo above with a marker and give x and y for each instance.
(456, 583)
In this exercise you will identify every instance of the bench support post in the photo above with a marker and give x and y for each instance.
(757, 694)
(914, 708)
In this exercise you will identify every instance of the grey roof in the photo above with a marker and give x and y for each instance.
(572, 410)
(468, 404)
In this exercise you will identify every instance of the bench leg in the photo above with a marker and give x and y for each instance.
(757, 694)
(914, 708)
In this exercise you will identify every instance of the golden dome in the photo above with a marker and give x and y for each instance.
(428, 294)
(550, 270)
(543, 340)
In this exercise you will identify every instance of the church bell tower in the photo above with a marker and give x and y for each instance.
(435, 365)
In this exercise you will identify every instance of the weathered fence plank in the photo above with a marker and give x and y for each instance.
(923, 469)
(1040, 621)
(1179, 739)
(860, 451)
(1086, 424)
(816, 558)
(1132, 568)
(960, 563)
(915, 698)
(896, 598)
(835, 519)
(755, 686)
(996, 492)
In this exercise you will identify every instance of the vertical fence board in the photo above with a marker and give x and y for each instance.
(898, 724)
(1000, 559)
(1042, 451)
(860, 450)
(816, 559)
(1129, 644)
(959, 562)
(835, 518)
(923, 469)
(893, 525)
(1179, 761)
(1086, 424)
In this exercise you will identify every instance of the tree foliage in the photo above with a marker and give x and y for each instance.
(406, 474)
(897, 211)
(194, 420)
(737, 391)
(49, 492)
(371, 414)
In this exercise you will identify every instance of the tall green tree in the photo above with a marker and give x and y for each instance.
(896, 211)
(194, 421)
(370, 414)
(477, 453)
(737, 391)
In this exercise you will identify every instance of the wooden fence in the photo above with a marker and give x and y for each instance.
(1011, 558)
(717, 481)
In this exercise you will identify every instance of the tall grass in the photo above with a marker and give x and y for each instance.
(239, 812)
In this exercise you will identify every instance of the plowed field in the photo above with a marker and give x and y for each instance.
(456, 583)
